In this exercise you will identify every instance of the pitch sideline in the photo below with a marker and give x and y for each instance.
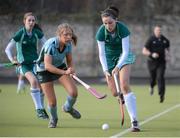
(146, 121)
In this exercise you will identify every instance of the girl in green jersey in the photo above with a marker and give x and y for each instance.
(25, 40)
(116, 58)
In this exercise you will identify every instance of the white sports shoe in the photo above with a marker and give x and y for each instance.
(135, 126)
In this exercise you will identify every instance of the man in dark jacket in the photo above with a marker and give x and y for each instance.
(157, 50)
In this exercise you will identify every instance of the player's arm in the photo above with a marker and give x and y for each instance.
(102, 57)
(124, 55)
(50, 67)
(167, 51)
(69, 61)
(146, 52)
(125, 51)
(9, 49)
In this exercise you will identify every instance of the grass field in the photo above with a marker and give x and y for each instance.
(17, 115)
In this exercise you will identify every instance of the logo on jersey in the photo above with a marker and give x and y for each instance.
(164, 41)
(154, 42)
(24, 42)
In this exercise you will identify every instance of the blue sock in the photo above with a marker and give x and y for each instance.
(69, 103)
(53, 112)
(42, 98)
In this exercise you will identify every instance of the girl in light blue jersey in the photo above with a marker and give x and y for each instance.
(51, 66)
(116, 58)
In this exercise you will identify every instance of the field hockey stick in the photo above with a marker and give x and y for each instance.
(89, 88)
(7, 65)
(120, 98)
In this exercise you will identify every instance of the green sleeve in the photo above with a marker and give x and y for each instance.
(18, 35)
(123, 30)
(100, 35)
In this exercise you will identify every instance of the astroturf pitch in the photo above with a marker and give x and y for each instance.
(18, 117)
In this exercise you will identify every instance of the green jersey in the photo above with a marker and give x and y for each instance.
(113, 44)
(26, 45)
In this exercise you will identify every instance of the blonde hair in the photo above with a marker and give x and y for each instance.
(66, 26)
(37, 26)
(27, 14)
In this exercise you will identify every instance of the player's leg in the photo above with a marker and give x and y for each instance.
(161, 81)
(35, 93)
(48, 89)
(71, 88)
(152, 68)
(21, 82)
(111, 85)
(129, 97)
(42, 100)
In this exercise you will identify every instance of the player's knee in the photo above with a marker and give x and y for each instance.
(34, 83)
(52, 104)
(73, 93)
(114, 94)
(124, 86)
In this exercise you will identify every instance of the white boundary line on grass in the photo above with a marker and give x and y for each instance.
(146, 120)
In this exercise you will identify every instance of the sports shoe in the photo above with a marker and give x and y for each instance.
(52, 123)
(73, 112)
(161, 99)
(45, 113)
(41, 113)
(135, 127)
(151, 91)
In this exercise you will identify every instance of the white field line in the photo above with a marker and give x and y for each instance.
(147, 120)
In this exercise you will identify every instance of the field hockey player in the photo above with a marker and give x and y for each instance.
(51, 66)
(25, 41)
(115, 57)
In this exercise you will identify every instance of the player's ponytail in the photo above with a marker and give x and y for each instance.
(37, 26)
(74, 38)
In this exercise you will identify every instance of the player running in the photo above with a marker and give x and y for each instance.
(115, 57)
(51, 66)
(25, 41)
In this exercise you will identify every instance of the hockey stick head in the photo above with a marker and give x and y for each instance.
(122, 113)
(96, 94)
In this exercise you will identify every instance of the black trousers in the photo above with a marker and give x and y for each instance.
(157, 72)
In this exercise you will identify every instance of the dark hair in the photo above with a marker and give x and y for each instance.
(74, 38)
(110, 11)
(37, 26)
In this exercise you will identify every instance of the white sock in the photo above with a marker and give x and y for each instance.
(35, 93)
(130, 102)
(21, 85)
